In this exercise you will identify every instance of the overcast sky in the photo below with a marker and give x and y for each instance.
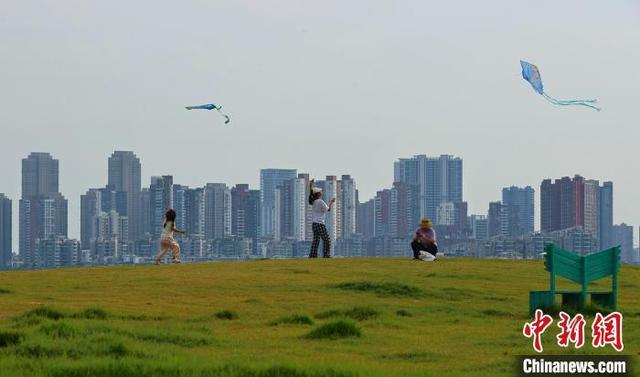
(327, 87)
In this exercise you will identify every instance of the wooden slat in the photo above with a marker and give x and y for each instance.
(597, 275)
(566, 254)
(568, 270)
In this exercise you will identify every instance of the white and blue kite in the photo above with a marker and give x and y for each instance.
(532, 75)
(211, 106)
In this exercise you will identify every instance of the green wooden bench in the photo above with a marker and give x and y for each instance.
(582, 270)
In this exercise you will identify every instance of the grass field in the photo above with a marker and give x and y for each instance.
(338, 317)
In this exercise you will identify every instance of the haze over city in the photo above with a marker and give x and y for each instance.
(325, 88)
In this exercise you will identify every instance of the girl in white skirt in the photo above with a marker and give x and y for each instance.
(167, 242)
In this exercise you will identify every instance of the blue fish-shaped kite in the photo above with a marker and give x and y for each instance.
(211, 106)
(532, 75)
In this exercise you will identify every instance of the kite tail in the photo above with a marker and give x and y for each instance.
(226, 117)
(579, 102)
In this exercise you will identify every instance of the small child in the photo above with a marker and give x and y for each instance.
(167, 242)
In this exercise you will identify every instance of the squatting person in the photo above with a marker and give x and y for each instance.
(424, 240)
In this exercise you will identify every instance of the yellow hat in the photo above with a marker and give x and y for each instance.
(425, 223)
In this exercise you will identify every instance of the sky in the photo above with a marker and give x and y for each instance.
(328, 88)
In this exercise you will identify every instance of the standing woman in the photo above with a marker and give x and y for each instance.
(167, 242)
(319, 210)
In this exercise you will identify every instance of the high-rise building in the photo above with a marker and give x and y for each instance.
(160, 200)
(308, 210)
(366, 219)
(571, 202)
(239, 198)
(252, 218)
(521, 201)
(218, 208)
(125, 175)
(110, 225)
(43, 210)
(270, 179)
(384, 213)
(245, 208)
(195, 212)
(347, 205)
(575, 239)
(497, 220)
(637, 251)
(561, 203)
(57, 251)
(92, 204)
(40, 174)
(167, 191)
(576, 202)
(479, 227)
(407, 208)
(445, 214)
(623, 236)
(90, 209)
(606, 215)
(393, 212)
(110, 251)
(335, 184)
(5, 232)
(439, 180)
(189, 205)
(294, 206)
(180, 204)
(113, 200)
(145, 214)
(284, 202)
(549, 206)
(592, 207)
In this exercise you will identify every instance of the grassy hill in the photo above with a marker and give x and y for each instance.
(338, 317)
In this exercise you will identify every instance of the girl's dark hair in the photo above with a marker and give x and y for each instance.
(313, 196)
(169, 216)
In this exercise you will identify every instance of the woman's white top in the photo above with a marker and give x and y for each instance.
(320, 209)
(167, 232)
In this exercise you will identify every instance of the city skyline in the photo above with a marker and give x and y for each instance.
(53, 185)
(330, 88)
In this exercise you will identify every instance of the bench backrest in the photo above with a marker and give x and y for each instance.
(582, 269)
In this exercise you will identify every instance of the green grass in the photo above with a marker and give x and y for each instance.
(382, 288)
(276, 318)
(335, 330)
(295, 319)
(128, 369)
(403, 313)
(59, 330)
(227, 314)
(92, 313)
(358, 313)
(9, 338)
(45, 312)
